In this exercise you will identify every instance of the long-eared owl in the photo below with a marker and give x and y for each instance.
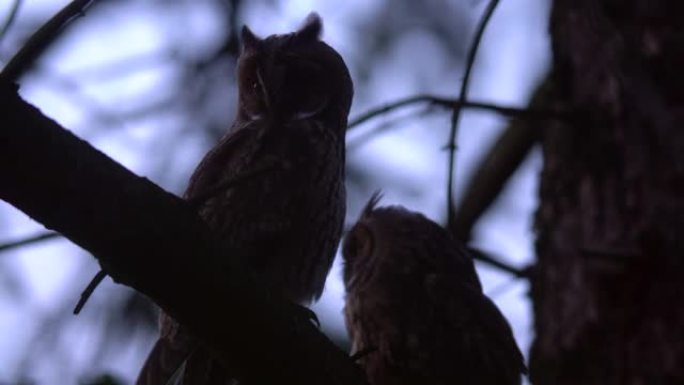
(294, 97)
(415, 302)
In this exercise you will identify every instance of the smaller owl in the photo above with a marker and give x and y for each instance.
(414, 298)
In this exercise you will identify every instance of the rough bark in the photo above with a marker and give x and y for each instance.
(608, 290)
(152, 241)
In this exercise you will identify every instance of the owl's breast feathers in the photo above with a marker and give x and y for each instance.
(288, 219)
(441, 332)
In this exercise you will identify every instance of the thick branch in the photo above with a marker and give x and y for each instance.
(195, 203)
(152, 241)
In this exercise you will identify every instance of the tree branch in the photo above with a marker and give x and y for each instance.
(492, 174)
(497, 167)
(195, 203)
(41, 39)
(497, 263)
(28, 240)
(9, 20)
(512, 112)
(153, 241)
(470, 61)
(88, 291)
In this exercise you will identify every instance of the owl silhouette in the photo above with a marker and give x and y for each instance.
(415, 305)
(294, 97)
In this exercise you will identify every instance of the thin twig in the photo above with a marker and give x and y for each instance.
(387, 124)
(470, 60)
(10, 18)
(89, 290)
(497, 263)
(439, 101)
(41, 39)
(28, 240)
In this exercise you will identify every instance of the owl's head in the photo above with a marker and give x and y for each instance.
(293, 76)
(392, 244)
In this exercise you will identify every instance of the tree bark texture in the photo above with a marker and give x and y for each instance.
(608, 289)
(153, 241)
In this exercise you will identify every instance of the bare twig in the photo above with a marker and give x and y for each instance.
(50, 235)
(10, 18)
(41, 39)
(513, 112)
(470, 60)
(387, 124)
(28, 240)
(497, 263)
(89, 290)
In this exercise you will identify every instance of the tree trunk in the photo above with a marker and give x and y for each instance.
(608, 289)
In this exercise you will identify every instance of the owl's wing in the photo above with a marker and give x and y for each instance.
(288, 220)
(222, 161)
(490, 342)
(172, 350)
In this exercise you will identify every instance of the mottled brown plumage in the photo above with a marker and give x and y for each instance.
(294, 97)
(414, 296)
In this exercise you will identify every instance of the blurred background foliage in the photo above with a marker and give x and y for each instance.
(152, 84)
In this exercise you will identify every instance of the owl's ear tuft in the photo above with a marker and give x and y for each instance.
(250, 41)
(372, 204)
(311, 29)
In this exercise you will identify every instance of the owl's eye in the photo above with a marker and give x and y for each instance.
(359, 243)
(255, 86)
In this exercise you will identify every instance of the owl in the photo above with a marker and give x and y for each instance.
(294, 97)
(414, 303)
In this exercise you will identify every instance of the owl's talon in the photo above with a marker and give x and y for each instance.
(303, 312)
(362, 353)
